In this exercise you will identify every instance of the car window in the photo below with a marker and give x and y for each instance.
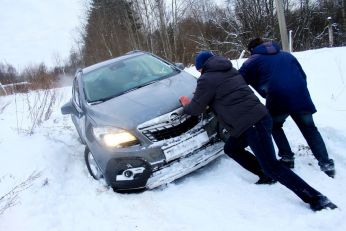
(124, 75)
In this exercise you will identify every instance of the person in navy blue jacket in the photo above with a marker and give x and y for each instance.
(237, 109)
(277, 76)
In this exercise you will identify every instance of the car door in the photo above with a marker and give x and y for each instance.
(79, 118)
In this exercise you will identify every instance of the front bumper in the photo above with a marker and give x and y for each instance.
(183, 155)
(168, 157)
(185, 165)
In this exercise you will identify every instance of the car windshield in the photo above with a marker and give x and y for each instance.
(125, 75)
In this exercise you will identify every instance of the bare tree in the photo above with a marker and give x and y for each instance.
(112, 28)
(176, 29)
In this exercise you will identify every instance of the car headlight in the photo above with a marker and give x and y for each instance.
(114, 137)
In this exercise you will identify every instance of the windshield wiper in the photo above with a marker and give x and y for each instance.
(103, 99)
(96, 102)
(140, 86)
(113, 96)
(146, 84)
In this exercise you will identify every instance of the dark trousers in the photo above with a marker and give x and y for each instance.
(258, 137)
(307, 127)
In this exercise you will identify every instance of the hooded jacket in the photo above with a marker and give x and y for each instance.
(226, 92)
(277, 76)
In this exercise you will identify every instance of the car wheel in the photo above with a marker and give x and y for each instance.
(91, 164)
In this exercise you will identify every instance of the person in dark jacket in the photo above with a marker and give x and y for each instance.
(237, 108)
(277, 76)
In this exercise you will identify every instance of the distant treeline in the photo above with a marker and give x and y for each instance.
(177, 29)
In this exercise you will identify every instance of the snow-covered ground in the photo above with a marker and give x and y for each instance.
(44, 183)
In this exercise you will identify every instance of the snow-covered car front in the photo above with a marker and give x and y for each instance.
(135, 131)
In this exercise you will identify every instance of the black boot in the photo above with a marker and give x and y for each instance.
(287, 161)
(328, 168)
(321, 202)
(330, 173)
(264, 179)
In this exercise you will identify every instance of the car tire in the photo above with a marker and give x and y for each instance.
(91, 164)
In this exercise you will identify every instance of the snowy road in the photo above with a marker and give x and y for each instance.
(44, 184)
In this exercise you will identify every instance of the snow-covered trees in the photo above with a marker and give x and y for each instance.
(112, 28)
(176, 29)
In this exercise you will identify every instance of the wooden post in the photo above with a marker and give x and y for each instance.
(282, 24)
(290, 41)
(330, 32)
(343, 13)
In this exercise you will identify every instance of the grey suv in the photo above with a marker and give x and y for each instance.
(126, 111)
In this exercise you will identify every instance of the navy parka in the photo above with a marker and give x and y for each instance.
(277, 76)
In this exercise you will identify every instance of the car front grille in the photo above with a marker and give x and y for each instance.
(168, 126)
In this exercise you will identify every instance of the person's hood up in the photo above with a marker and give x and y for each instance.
(267, 48)
(217, 63)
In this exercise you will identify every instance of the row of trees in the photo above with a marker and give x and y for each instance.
(177, 29)
(39, 76)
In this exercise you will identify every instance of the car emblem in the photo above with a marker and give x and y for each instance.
(175, 118)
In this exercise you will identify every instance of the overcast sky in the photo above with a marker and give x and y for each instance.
(35, 31)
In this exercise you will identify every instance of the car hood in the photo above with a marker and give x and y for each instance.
(129, 110)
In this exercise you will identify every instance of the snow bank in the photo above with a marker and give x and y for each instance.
(44, 184)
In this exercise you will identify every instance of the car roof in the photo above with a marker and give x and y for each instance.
(110, 61)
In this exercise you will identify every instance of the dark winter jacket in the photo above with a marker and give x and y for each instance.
(277, 76)
(225, 91)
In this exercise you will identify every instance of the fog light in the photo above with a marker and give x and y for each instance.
(128, 173)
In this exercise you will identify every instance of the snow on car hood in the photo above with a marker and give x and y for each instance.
(135, 107)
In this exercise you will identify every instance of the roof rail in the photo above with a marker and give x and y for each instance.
(133, 51)
(78, 70)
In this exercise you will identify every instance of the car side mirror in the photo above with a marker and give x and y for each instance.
(68, 108)
(180, 66)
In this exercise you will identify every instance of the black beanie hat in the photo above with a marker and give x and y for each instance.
(201, 58)
(254, 43)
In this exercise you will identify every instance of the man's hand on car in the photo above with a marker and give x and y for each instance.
(184, 100)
